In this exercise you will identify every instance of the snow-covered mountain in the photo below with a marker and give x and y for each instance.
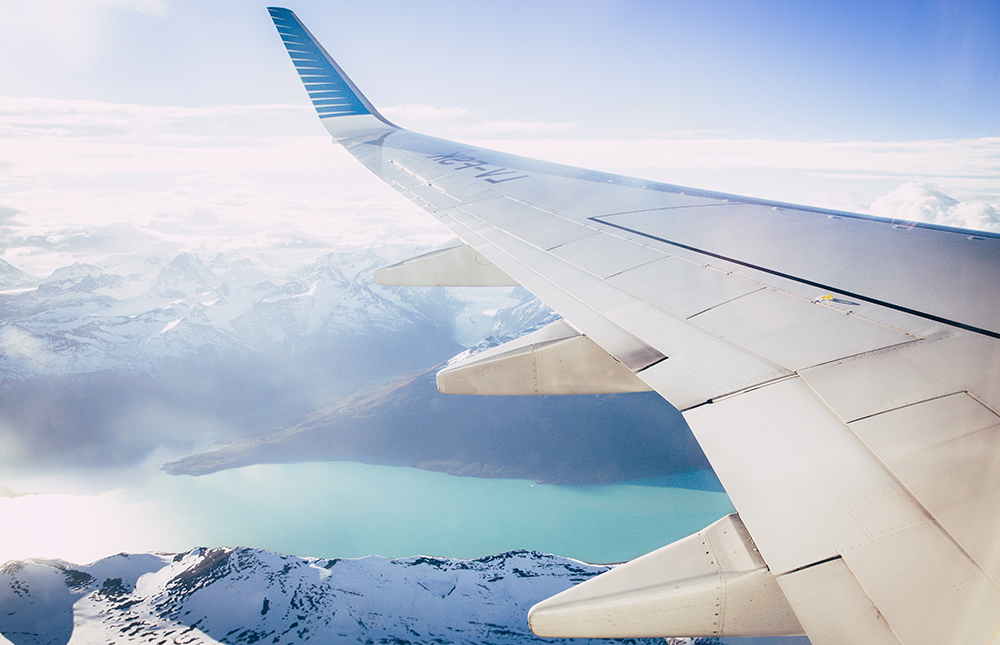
(104, 362)
(247, 596)
(101, 364)
(11, 277)
(85, 318)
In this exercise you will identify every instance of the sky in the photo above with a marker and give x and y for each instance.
(173, 125)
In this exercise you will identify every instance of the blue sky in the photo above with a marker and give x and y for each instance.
(829, 70)
(181, 125)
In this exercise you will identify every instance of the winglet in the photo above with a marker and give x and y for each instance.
(341, 106)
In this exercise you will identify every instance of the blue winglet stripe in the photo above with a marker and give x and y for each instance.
(330, 90)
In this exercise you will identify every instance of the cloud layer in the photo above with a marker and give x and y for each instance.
(81, 180)
(922, 203)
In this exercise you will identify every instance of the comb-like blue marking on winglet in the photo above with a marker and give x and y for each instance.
(317, 71)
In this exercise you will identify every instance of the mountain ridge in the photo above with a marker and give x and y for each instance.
(242, 595)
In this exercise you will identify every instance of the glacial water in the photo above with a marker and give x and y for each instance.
(345, 509)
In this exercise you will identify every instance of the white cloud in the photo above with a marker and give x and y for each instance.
(89, 179)
(80, 180)
(921, 203)
(843, 175)
(29, 115)
(850, 158)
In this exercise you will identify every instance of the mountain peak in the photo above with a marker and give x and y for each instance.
(75, 271)
(184, 275)
(11, 276)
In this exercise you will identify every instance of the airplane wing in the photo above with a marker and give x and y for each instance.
(840, 371)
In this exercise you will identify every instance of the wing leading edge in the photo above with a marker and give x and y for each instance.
(840, 371)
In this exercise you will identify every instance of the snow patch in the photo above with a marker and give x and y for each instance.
(306, 294)
(170, 325)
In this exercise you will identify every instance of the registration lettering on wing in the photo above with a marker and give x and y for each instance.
(488, 172)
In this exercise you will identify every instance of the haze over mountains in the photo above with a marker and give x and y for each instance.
(102, 364)
(563, 440)
(107, 363)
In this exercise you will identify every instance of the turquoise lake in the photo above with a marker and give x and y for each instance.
(345, 509)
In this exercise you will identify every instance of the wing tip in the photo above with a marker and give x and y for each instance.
(331, 91)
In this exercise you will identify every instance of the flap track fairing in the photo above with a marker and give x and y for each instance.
(713, 583)
(455, 265)
(556, 359)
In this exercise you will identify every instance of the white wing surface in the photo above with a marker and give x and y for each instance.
(841, 372)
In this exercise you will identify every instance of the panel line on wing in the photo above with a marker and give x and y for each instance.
(653, 364)
(743, 295)
(751, 388)
(911, 404)
(801, 280)
(618, 273)
(668, 208)
(813, 564)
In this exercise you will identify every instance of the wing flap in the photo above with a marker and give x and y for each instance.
(947, 361)
(606, 255)
(806, 485)
(940, 597)
(946, 452)
(833, 607)
(687, 287)
(812, 492)
(551, 232)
